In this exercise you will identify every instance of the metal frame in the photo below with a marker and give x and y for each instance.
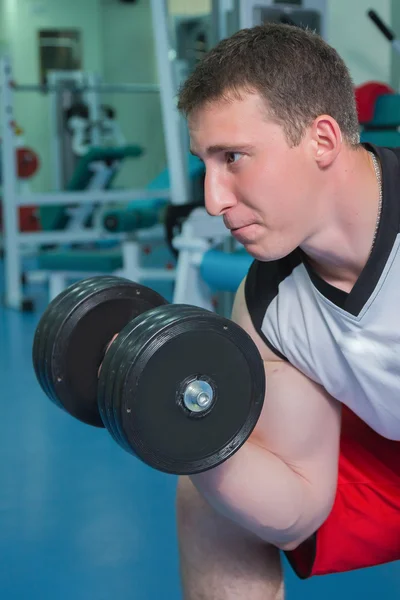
(246, 9)
(221, 10)
(170, 114)
(14, 240)
(13, 295)
(99, 88)
(131, 260)
(76, 77)
(200, 233)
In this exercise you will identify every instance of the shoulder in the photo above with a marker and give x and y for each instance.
(256, 294)
(263, 281)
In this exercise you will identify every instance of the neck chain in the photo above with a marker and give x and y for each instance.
(379, 178)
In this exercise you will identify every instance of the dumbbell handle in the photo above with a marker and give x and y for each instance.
(383, 28)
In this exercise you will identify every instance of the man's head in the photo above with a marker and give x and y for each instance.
(268, 110)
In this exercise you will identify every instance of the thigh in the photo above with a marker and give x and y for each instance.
(363, 528)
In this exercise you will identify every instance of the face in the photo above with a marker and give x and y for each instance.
(258, 183)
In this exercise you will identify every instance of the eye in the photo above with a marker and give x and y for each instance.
(232, 157)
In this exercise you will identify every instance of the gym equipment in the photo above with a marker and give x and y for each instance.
(367, 96)
(80, 126)
(205, 265)
(179, 387)
(384, 29)
(98, 260)
(240, 14)
(389, 139)
(174, 217)
(146, 213)
(383, 104)
(223, 271)
(27, 164)
(126, 259)
(96, 170)
(178, 192)
(191, 40)
(79, 121)
(134, 218)
(138, 215)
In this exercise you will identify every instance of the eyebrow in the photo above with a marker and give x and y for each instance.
(216, 149)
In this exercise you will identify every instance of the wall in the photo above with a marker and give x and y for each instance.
(360, 44)
(395, 25)
(2, 27)
(22, 19)
(129, 57)
(187, 7)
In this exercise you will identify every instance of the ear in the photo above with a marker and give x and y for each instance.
(326, 139)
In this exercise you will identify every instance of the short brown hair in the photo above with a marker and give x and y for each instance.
(298, 74)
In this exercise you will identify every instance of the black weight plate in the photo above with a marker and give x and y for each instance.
(167, 347)
(111, 387)
(40, 341)
(82, 325)
(76, 293)
(106, 386)
(104, 392)
(49, 325)
(88, 330)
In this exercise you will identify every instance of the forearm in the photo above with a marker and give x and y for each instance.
(260, 492)
(218, 559)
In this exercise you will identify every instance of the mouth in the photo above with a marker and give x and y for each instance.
(239, 228)
(243, 234)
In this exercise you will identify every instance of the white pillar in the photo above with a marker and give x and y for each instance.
(13, 271)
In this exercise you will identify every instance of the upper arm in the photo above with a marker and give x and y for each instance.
(299, 422)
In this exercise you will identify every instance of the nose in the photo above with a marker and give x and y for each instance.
(218, 196)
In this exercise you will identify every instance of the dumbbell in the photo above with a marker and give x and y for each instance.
(179, 387)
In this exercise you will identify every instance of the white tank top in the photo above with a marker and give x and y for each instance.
(348, 343)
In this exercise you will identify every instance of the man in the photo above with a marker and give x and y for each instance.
(271, 112)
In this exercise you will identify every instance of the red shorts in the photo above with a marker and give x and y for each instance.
(363, 528)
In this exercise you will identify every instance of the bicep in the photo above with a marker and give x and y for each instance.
(300, 421)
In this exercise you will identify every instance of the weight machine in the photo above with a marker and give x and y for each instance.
(228, 16)
(178, 192)
(378, 103)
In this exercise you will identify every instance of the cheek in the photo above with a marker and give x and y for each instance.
(277, 191)
(288, 184)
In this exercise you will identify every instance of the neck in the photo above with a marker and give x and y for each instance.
(347, 214)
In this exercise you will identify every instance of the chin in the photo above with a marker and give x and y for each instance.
(267, 254)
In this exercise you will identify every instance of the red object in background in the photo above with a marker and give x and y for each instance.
(366, 97)
(27, 163)
(28, 220)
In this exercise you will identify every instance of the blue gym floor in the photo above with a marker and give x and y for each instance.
(80, 519)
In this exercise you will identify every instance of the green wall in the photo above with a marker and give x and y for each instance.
(351, 32)
(128, 57)
(117, 45)
(22, 19)
(395, 23)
